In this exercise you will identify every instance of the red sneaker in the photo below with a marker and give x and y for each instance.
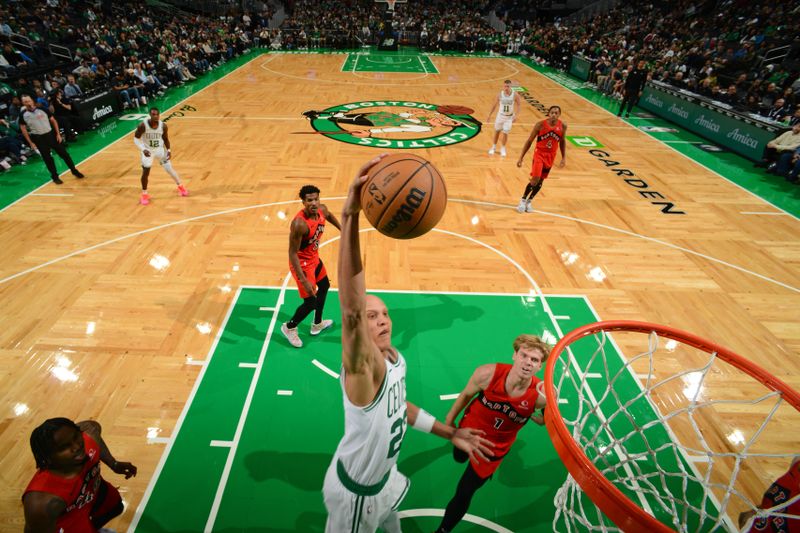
(145, 199)
(182, 190)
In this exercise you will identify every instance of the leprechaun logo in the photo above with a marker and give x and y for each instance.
(395, 124)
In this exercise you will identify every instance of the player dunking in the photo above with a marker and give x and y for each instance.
(155, 145)
(363, 488)
(307, 269)
(550, 135)
(509, 103)
(502, 398)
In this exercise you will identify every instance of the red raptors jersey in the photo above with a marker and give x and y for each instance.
(784, 489)
(309, 247)
(549, 137)
(499, 415)
(79, 492)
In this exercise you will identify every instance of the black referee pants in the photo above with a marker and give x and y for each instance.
(48, 142)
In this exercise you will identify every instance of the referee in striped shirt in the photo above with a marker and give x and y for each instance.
(40, 130)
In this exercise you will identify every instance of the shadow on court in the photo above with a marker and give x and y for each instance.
(408, 322)
(304, 471)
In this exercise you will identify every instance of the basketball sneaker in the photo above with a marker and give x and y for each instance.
(145, 199)
(291, 336)
(182, 190)
(522, 205)
(528, 207)
(316, 329)
(491, 150)
(503, 151)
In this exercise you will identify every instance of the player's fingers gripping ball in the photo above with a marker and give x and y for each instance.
(404, 196)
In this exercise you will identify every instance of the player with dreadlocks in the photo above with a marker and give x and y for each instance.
(67, 493)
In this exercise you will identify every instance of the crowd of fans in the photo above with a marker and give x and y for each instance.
(66, 51)
(711, 48)
(714, 48)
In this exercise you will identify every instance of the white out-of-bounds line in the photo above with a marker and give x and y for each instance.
(160, 466)
(325, 369)
(195, 362)
(85, 159)
(285, 392)
(563, 400)
(266, 308)
(561, 317)
(650, 136)
(221, 443)
(491, 526)
(226, 471)
(767, 213)
(592, 375)
(159, 440)
(248, 365)
(448, 396)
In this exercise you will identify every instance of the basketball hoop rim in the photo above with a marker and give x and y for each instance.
(628, 516)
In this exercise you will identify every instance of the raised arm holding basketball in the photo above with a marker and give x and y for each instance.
(363, 471)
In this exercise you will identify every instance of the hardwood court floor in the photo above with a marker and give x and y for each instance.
(105, 303)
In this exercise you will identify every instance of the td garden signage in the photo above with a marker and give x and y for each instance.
(395, 124)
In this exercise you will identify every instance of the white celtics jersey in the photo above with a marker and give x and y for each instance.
(506, 103)
(153, 137)
(373, 433)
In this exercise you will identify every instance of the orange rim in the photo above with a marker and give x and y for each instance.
(619, 508)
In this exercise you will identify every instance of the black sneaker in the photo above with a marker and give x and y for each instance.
(77, 174)
(57, 180)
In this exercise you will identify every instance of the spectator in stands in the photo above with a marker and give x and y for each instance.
(11, 143)
(728, 96)
(779, 111)
(61, 108)
(785, 142)
(129, 96)
(14, 109)
(769, 96)
(795, 119)
(794, 174)
(71, 89)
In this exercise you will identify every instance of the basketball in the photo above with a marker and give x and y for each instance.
(404, 196)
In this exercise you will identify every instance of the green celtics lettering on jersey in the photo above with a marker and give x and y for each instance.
(396, 404)
(374, 433)
(153, 137)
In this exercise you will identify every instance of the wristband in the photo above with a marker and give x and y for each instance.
(424, 421)
(139, 144)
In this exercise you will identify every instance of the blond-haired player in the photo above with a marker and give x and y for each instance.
(509, 105)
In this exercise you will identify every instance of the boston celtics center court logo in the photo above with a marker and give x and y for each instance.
(395, 124)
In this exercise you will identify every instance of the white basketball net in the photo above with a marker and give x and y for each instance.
(673, 428)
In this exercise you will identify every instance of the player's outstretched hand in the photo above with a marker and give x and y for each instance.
(471, 441)
(562, 163)
(352, 205)
(519, 163)
(123, 468)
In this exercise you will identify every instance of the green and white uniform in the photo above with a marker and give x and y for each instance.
(362, 487)
(153, 139)
(505, 115)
